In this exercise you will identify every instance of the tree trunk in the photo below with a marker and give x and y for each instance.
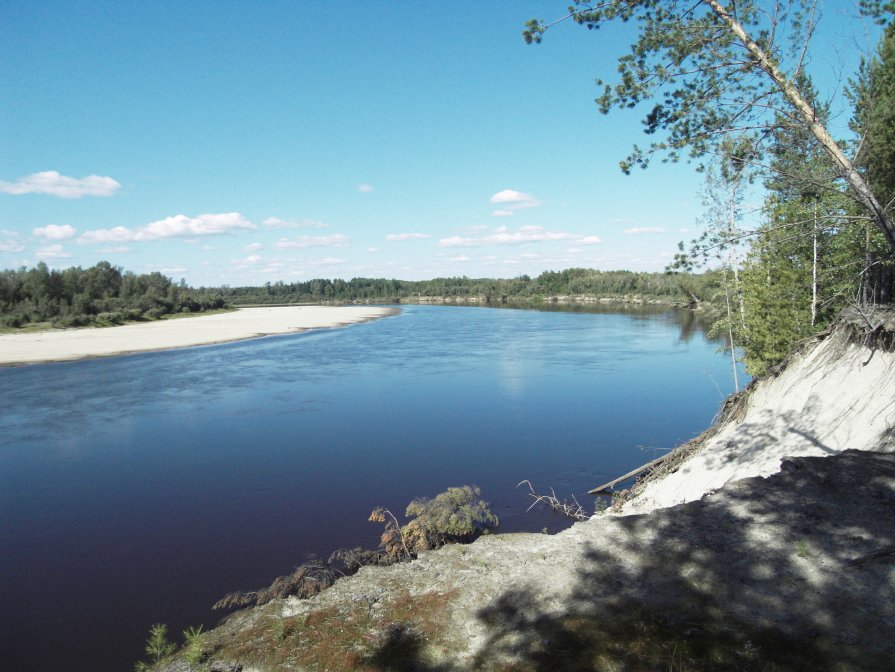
(814, 271)
(846, 169)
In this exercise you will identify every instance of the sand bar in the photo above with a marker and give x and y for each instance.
(68, 344)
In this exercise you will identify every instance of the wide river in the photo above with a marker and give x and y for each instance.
(140, 489)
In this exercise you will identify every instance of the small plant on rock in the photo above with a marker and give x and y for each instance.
(194, 643)
(157, 647)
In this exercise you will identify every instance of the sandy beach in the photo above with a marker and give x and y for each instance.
(69, 344)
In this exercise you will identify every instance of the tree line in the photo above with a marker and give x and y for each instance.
(106, 294)
(574, 282)
(102, 294)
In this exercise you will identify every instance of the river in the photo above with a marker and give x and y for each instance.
(140, 489)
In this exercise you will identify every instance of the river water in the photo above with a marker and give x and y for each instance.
(140, 489)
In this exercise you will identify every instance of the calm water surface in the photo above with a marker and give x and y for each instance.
(141, 489)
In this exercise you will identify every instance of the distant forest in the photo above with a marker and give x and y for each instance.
(102, 294)
(106, 294)
(573, 282)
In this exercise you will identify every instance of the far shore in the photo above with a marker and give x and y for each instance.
(59, 345)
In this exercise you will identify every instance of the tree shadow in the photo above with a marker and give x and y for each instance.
(755, 577)
(403, 651)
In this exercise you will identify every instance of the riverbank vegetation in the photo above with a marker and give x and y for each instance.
(106, 294)
(100, 295)
(455, 516)
(574, 282)
(728, 86)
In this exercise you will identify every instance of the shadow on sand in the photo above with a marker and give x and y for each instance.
(793, 572)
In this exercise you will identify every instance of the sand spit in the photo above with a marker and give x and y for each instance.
(69, 344)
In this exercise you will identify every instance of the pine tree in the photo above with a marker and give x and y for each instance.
(873, 96)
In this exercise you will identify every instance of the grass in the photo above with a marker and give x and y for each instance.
(28, 328)
(177, 316)
(343, 639)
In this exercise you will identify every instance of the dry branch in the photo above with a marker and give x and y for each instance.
(572, 510)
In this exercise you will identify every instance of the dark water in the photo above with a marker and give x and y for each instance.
(141, 489)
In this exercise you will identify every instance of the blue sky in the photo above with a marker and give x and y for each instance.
(245, 142)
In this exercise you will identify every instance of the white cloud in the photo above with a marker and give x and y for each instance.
(12, 243)
(407, 236)
(501, 213)
(55, 231)
(252, 259)
(456, 241)
(52, 252)
(170, 227)
(52, 183)
(462, 257)
(374, 250)
(113, 235)
(335, 240)
(643, 230)
(503, 236)
(590, 240)
(203, 225)
(167, 269)
(115, 249)
(514, 200)
(365, 188)
(252, 247)
(277, 223)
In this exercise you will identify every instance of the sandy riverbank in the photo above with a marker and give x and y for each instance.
(69, 344)
(833, 396)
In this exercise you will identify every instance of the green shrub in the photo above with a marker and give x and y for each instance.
(456, 515)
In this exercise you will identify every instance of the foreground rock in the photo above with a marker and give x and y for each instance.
(790, 569)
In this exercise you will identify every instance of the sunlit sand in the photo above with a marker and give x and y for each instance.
(68, 344)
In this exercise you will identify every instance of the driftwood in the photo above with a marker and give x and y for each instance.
(630, 474)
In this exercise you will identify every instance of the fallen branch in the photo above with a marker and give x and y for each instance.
(630, 474)
(574, 511)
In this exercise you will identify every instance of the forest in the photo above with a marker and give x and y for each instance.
(575, 282)
(728, 88)
(106, 294)
(100, 295)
